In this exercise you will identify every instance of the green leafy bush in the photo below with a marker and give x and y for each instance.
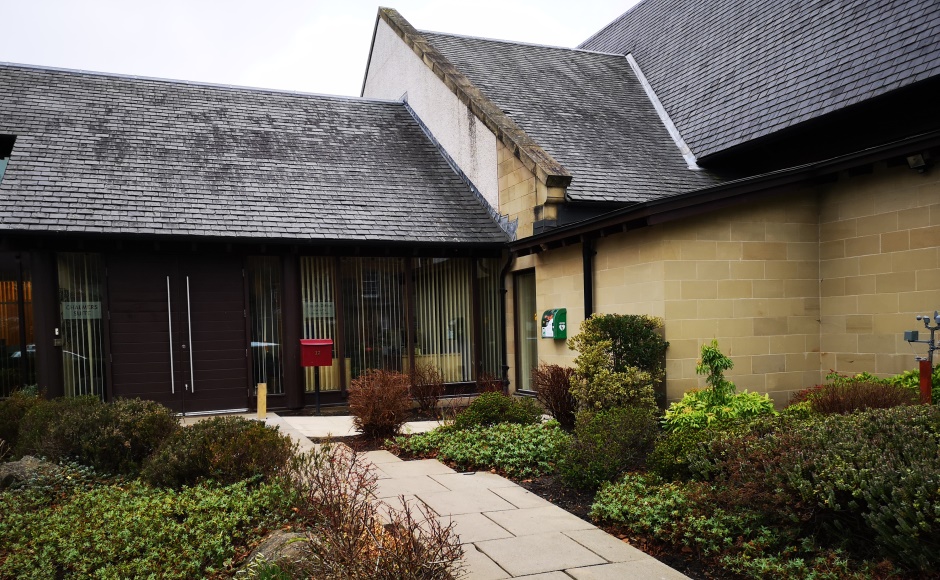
(380, 402)
(516, 450)
(111, 437)
(606, 444)
(127, 529)
(717, 403)
(552, 384)
(620, 360)
(911, 380)
(493, 407)
(12, 411)
(221, 449)
(672, 453)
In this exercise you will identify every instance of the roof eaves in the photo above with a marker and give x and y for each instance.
(546, 169)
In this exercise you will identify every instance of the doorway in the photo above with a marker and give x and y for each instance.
(178, 331)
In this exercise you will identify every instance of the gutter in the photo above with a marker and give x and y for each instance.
(715, 197)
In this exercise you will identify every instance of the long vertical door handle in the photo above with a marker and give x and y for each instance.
(189, 316)
(169, 317)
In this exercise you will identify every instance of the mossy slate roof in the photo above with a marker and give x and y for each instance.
(587, 110)
(730, 71)
(104, 153)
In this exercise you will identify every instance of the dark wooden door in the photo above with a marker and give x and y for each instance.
(178, 331)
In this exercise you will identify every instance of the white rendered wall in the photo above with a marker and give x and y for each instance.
(395, 71)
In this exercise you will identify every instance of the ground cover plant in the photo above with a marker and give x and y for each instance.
(513, 449)
(77, 524)
(837, 496)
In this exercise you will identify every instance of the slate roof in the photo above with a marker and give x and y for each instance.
(103, 153)
(728, 71)
(587, 110)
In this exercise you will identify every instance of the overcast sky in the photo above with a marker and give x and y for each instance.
(311, 45)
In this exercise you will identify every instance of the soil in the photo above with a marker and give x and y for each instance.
(357, 443)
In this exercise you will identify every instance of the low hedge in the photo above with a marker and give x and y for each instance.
(493, 407)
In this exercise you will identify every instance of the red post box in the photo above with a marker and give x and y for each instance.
(316, 352)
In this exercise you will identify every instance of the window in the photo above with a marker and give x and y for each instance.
(80, 301)
(264, 296)
(527, 329)
(6, 149)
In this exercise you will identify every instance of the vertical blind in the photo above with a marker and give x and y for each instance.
(444, 315)
(17, 360)
(319, 317)
(374, 313)
(488, 278)
(80, 311)
(264, 296)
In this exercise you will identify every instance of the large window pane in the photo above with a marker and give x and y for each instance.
(319, 318)
(374, 313)
(527, 335)
(17, 346)
(80, 310)
(443, 314)
(264, 296)
(488, 277)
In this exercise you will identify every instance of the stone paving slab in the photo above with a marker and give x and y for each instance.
(647, 569)
(521, 497)
(472, 480)
(546, 576)
(415, 468)
(479, 566)
(606, 546)
(539, 520)
(475, 527)
(381, 456)
(394, 487)
(465, 501)
(538, 553)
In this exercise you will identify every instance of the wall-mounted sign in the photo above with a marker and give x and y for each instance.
(555, 324)
(319, 310)
(81, 310)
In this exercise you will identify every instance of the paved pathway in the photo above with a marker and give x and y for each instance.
(506, 531)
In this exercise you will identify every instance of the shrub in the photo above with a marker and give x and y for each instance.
(552, 385)
(349, 535)
(671, 455)
(427, 387)
(125, 529)
(857, 396)
(606, 444)
(224, 450)
(12, 411)
(493, 407)
(111, 437)
(911, 380)
(516, 450)
(488, 383)
(717, 403)
(379, 402)
(620, 359)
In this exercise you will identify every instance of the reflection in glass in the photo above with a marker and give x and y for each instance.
(17, 364)
(374, 313)
(443, 314)
(264, 298)
(80, 311)
(527, 329)
(488, 277)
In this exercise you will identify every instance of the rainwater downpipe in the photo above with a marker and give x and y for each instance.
(502, 316)
(587, 266)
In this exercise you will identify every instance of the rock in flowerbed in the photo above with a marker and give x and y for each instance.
(26, 469)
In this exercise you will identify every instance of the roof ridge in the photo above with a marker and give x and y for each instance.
(546, 169)
(38, 67)
(521, 43)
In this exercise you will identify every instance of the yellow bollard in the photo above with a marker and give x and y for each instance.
(262, 401)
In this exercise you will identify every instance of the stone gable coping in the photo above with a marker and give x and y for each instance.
(546, 169)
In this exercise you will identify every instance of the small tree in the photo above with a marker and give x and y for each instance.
(620, 359)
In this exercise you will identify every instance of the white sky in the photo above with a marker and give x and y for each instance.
(312, 46)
